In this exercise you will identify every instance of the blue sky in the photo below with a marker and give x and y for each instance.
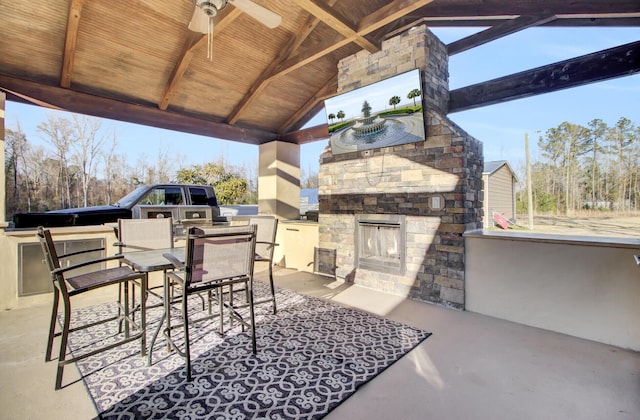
(501, 128)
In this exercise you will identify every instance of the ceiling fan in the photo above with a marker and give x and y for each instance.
(205, 11)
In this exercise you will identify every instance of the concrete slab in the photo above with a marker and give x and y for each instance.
(473, 367)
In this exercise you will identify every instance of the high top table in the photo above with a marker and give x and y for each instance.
(151, 260)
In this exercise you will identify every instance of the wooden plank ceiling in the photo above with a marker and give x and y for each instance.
(136, 60)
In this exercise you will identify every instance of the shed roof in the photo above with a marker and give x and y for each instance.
(492, 166)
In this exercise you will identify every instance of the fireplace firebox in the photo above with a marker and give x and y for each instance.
(381, 242)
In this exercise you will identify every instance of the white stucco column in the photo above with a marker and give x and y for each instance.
(3, 196)
(279, 180)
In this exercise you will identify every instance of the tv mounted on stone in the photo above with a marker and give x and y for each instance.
(383, 114)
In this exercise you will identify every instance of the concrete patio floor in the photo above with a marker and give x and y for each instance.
(472, 367)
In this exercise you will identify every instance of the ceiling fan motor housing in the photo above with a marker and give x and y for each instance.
(211, 8)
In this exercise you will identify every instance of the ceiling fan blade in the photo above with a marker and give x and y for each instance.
(199, 21)
(259, 13)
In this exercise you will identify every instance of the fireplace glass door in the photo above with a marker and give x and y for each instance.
(381, 245)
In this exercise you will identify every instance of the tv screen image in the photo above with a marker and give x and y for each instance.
(382, 114)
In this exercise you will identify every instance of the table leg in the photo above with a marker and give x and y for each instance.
(165, 316)
(127, 315)
(144, 285)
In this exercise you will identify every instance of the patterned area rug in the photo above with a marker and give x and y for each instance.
(311, 356)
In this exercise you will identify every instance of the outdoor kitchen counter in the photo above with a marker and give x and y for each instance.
(296, 241)
(20, 253)
(585, 286)
(599, 241)
(68, 230)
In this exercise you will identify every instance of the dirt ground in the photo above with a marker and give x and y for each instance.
(626, 226)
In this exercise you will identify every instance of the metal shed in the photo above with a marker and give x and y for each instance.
(499, 191)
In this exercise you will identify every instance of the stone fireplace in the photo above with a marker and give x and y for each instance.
(396, 215)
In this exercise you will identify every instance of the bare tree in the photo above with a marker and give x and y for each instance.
(15, 143)
(164, 167)
(308, 178)
(86, 148)
(109, 159)
(58, 132)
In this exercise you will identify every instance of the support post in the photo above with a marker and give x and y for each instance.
(3, 196)
(529, 190)
(279, 180)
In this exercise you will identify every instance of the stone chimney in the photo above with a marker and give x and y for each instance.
(435, 185)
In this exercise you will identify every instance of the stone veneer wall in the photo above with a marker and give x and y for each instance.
(403, 179)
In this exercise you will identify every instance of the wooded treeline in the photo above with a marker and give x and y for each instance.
(580, 167)
(584, 168)
(80, 165)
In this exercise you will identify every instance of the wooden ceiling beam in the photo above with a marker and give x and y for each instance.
(285, 63)
(594, 22)
(294, 63)
(337, 22)
(71, 37)
(629, 21)
(306, 135)
(389, 13)
(498, 31)
(380, 18)
(312, 106)
(261, 83)
(460, 13)
(462, 9)
(614, 62)
(193, 42)
(83, 103)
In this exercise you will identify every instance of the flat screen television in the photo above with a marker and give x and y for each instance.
(383, 114)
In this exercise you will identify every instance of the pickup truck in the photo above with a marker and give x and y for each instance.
(184, 203)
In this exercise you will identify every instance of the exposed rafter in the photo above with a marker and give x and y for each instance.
(73, 22)
(193, 42)
(498, 31)
(83, 103)
(29, 100)
(461, 10)
(602, 65)
(286, 63)
(313, 105)
(307, 135)
(372, 23)
(389, 13)
(337, 22)
(261, 83)
(594, 22)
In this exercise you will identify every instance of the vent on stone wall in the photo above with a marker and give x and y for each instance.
(381, 242)
(324, 261)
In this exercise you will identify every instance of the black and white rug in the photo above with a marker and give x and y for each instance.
(311, 356)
